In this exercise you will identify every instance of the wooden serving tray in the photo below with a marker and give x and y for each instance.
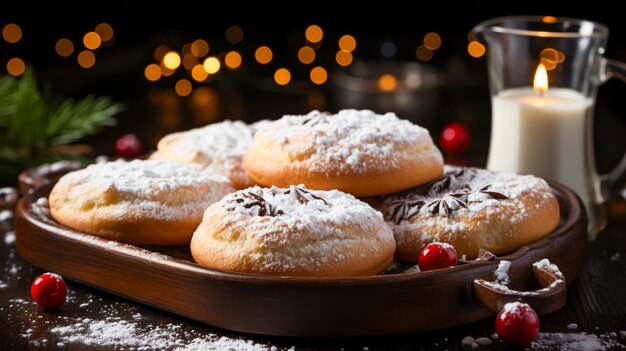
(167, 278)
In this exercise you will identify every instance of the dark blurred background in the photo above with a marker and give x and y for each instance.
(422, 64)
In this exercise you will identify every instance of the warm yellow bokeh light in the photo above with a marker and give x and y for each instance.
(549, 19)
(347, 43)
(92, 40)
(190, 61)
(475, 49)
(423, 53)
(432, 41)
(232, 60)
(282, 76)
(314, 33)
(16, 66)
(183, 87)
(64, 47)
(105, 31)
(186, 49)
(12, 33)
(318, 75)
(234, 34)
(263, 55)
(86, 59)
(306, 54)
(171, 60)
(152, 72)
(199, 48)
(387, 82)
(198, 73)
(343, 58)
(212, 65)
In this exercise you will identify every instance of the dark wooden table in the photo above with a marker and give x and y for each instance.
(93, 319)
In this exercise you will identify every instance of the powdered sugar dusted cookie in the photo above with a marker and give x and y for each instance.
(218, 147)
(355, 151)
(137, 202)
(471, 209)
(293, 231)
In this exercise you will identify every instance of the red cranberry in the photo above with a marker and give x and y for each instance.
(436, 256)
(49, 290)
(128, 146)
(455, 138)
(517, 324)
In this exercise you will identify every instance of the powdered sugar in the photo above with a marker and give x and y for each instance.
(501, 273)
(297, 207)
(547, 265)
(454, 202)
(513, 308)
(161, 189)
(575, 342)
(349, 141)
(218, 147)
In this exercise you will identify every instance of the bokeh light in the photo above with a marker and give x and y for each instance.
(171, 60)
(64, 47)
(232, 60)
(105, 31)
(263, 55)
(318, 75)
(92, 40)
(183, 87)
(166, 72)
(12, 33)
(212, 65)
(86, 59)
(16, 66)
(549, 19)
(314, 33)
(347, 43)
(199, 48)
(423, 53)
(160, 52)
(234, 34)
(198, 73)
(388, 49)
(475, 49)
(306, 54)
(343, 58)
(282, 76)
(432, 41)
(190, 61)
(387, 82)
(152, 72)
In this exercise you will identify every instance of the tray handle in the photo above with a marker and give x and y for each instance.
(550, 296)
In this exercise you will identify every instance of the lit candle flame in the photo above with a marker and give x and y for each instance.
(540, 83)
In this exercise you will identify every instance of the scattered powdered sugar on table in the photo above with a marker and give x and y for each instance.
(350, 140)
(502, 272)
(576, 342)
(615, 257)
(572, 326)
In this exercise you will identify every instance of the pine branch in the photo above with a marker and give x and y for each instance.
(30, 122)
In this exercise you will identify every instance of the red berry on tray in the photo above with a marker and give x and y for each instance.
(128, 146)
(49, 290)
(517, 324)
(436, 256)
(455, 138)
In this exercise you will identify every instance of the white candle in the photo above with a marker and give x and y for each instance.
(541, 133)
